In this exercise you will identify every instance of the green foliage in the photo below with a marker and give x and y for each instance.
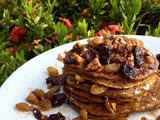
(50, 23)
(9, 63)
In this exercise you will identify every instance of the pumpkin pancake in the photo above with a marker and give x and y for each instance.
(111, 77)
(69, 95)
(119, 93)
(119, 83)
(84, 94)
(151, 101)
(95, 117)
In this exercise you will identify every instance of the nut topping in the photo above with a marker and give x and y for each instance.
(94, 65)
(79, 59)
(32, 99)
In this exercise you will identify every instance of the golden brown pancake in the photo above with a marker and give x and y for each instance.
(119, 83)
(111, 77)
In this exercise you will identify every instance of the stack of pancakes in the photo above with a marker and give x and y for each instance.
(116, 88)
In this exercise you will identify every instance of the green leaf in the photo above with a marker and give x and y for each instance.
(135, 6)
(3, 73)
(75, 34)
(91, 33)
(82, 27)
(36, 20)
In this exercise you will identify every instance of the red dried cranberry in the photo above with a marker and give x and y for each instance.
(138, 56)
(62, 80)
(37, 113)
(105, 54)
(54, 81)
(128, 70)
(90, 54)
(158, 58)
(57, 116)
(68, 59)
(58, 99)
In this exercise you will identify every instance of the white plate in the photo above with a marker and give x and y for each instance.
(32, 75)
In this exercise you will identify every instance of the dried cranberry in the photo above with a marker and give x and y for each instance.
(138, 56)
(68, 59)
(105, 54)
(37, 113)
(58, 99)
(57, 116)
(128, 70)
(158, 57)
(62, 80)
(54, 81)
(90, 54)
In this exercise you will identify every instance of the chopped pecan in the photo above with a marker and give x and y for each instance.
(45, 104)
(52, 92)
(106, 35)
(83, 114)
(149, 59)
(112, 68)
(129, 47)
(77, 45)
(32, 98)
(39, 92)
(148, 53)
(96, 41)
(79, 59)
(94, 65)
(122, 40)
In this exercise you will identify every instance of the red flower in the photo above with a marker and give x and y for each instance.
(84, 12)
(18, 34)
(66, 22)
(116, 29)
(103, 24)
(100, 33)
(13, 50)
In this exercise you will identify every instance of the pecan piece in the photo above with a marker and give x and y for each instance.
(32, 98)
(79, 59)
(94, 65)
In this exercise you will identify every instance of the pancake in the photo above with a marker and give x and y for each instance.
(151, 101)
(69, 95)
(84, 94)
(119, 84)
(95, 117)
(111, 77)
(120, 93)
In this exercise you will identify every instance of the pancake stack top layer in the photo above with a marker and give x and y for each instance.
(111, 77)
